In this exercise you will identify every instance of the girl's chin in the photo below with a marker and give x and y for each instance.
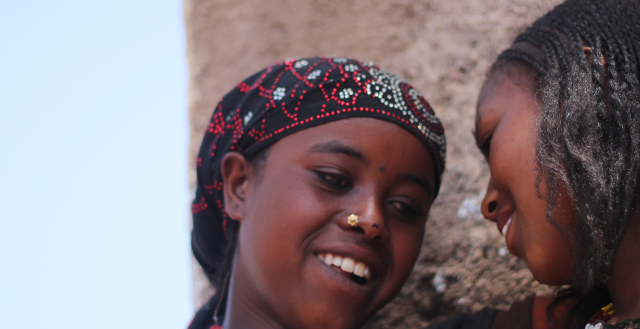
(546, 274)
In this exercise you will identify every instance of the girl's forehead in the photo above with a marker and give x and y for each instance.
(500, 99)
(492, 97)
(373, 143)
(501, 87)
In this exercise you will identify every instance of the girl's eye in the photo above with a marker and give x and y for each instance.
(485, 147)
(405, 208)
(335, 180)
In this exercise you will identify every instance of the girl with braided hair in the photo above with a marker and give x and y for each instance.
(315, 179)
(558, 121)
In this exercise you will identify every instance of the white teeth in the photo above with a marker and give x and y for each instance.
(359, 269)
(505, 228)
(347, 265)
(328, 259)
(337, 261)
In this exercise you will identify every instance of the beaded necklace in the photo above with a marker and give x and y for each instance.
(599, 319)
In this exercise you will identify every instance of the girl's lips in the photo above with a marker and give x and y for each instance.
(359, 277)
(339, 279)
(347, 264)
(505, 228)
(362, 260)
(504, 217)
(504, 222)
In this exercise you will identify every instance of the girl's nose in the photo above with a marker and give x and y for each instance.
(489, 206)
(369, 221)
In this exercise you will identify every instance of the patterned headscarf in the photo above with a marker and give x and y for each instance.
(288, 97)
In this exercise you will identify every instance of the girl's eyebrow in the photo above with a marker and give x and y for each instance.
(336, 146)
(424, 183)
(475, 130)
(479, 143)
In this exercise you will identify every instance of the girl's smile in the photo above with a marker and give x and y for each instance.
(350, 268)
(503, 222)
(348, 265)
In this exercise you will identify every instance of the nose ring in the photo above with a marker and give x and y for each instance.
(352, 220)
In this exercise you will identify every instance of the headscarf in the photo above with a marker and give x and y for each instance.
(285, 98)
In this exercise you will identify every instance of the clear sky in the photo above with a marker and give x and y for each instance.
(94, 201)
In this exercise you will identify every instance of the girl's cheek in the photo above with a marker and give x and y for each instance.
(408, 242)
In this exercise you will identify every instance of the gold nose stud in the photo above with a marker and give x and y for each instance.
(352, 220)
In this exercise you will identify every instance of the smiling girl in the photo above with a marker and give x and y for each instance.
(315, 180)
(558, 121)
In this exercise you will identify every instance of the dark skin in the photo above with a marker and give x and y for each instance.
(506, 134)
(295, 207)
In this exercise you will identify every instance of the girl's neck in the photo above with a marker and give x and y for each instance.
(243, 309)
(243, 314)
(624, 283)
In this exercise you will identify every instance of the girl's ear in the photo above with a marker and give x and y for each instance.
(235, 174)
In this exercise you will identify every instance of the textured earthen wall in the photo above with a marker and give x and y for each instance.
(442, 47)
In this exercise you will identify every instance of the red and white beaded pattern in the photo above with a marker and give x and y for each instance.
(371, 81)
(296, 94)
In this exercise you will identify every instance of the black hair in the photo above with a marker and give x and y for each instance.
(583, 62)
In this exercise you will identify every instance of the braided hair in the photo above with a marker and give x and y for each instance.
(583, 61)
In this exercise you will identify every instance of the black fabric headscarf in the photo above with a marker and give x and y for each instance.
(280, 100)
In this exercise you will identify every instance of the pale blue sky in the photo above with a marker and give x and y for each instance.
(93, 165)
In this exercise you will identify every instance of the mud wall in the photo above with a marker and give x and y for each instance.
(442, 47)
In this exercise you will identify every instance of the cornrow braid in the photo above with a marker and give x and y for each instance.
(588, 130)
